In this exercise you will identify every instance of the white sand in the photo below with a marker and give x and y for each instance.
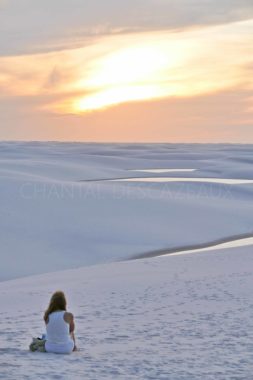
(177, 318)
(182, 317)
(49, 220)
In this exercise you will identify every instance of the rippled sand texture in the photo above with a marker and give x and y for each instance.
(176, 317)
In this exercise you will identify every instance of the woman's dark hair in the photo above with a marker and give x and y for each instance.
(57, 303)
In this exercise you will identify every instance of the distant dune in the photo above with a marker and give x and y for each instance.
(57, 214)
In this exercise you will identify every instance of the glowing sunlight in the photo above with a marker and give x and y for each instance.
(132, 67)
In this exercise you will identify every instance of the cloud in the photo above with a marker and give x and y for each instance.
(55, 78)
(3, 4)
(204, 74)
(34, 26)
(111, 71)
(219, 117)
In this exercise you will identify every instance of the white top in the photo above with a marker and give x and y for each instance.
(57, 328)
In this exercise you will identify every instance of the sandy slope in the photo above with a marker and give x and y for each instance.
(183, 317)
(50, 220)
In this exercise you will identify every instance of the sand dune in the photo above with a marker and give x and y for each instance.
(52, 221)
(178, 317)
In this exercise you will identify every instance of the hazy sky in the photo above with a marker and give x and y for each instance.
(113, 70)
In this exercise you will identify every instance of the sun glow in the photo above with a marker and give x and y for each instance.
(132, 67)
(121, 94)
(130, 74)
(129, 65)
(160, 64)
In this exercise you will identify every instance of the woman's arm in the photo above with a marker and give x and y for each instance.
(69, 318)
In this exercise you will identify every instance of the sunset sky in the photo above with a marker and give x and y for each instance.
(128, 71)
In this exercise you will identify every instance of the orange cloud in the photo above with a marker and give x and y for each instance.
(133, 67)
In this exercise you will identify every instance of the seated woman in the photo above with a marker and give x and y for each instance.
(60, 326)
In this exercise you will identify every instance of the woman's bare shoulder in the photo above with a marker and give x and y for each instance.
(68, 317)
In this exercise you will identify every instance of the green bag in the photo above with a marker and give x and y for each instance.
(37, 345)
